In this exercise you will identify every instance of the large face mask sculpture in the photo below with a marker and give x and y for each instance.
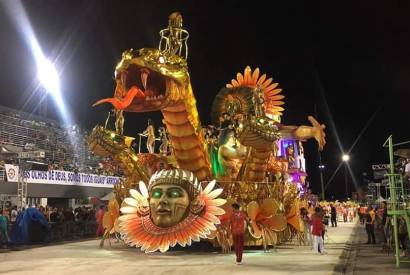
(174, 209)
(168, 204)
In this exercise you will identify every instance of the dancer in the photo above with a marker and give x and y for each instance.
(99, 216)
(238, 225)
(150, 134)
(163, 148)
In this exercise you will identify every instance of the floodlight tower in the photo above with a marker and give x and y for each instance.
(48, 77)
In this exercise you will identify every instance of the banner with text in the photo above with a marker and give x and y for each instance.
(65, 178)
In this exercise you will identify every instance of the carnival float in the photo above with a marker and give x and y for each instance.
(184, 193)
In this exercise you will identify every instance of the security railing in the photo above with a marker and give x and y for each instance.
(2, 175)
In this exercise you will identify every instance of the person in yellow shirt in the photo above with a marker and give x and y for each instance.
(370, 219)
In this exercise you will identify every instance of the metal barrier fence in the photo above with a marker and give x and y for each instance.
(70, 230)
(2, 175)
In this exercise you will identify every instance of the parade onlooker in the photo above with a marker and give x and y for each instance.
(4, 235)
(370, 220)
(402, 234)
(237, 224)
(13, 214)
(383, 220)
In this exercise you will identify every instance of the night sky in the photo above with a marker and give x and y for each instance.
(354, 56)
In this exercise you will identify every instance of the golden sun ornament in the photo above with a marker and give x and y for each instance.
(138, 229)
(270, 91)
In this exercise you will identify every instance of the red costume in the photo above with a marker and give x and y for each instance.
(99, 216)
(238, 219)
(317, 226)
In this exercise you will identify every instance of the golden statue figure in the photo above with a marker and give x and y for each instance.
(119, 122)
(290, 154)
(175, 37)
(258, 102)
(111, 113)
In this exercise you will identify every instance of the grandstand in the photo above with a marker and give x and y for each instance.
(64, 148)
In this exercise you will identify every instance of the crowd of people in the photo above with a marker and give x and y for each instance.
(317, 216)
(63, 223)
(65, 148)
(379, 227)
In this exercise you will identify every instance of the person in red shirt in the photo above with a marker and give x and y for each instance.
(237, 223)
(317, 231)
(99, 216)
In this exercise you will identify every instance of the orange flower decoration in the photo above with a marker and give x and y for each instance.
(265, 220)
(137, 228)
(272, 94)
(293, 217)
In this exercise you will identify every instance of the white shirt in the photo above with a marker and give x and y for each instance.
(13, 215)
(407, 168)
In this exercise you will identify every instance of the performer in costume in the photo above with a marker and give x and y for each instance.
(163, 148)
(238, 224)
(150, 134)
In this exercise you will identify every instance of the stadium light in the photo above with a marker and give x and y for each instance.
(345, 157)
(46, 71)
(48, 76)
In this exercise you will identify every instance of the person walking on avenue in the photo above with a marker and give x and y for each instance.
(317, 231)
(333, 215)
(238, 223)
(370, 219)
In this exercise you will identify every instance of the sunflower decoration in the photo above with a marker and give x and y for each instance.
(174, 209)
(271, 92)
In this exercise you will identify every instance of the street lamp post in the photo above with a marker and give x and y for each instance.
(345, 159)
(321, 167)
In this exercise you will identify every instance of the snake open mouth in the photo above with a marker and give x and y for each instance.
(141, 90)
